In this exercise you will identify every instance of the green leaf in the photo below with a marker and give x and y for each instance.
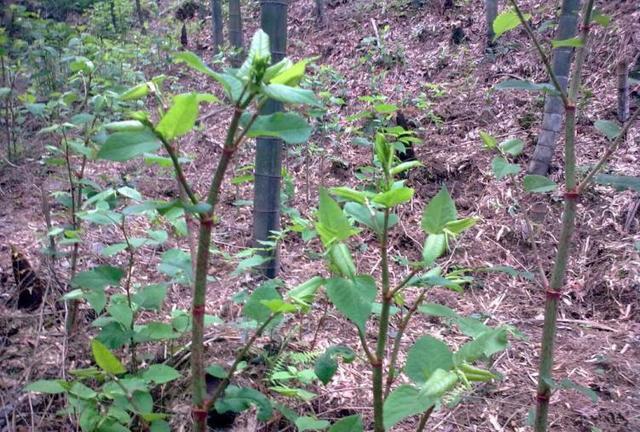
(180, 118)
(47, 386)
(459, 226)
(567, 384)
(394, 197)
(326, 365)
(608, 128)
(290, 127)
(238, 399)
(507, 20)
(619, 182)
(488, 141)
(435, 246)
(136, 92)
(217, 371)
(232, 85)
(82, 391)
(332, 224)
(501, 168)
(160, 426)
(123, 146)
(574, 42)
(307, 423)
(105, 359)
(385, 108)
(254, 308)
(425, 356)
(122, 313)
(403, 402)
(349, 194)
(370, 217)
(160, 374)
(195, 62)
(353, 298)
(439, 383)
(405, 166)
(438, 310)
(352, 423)
(155, 331)
(259, 47)
(292, 75)
(151, 297)
(513, 146)
(98, 278)
(485, 345)
(290, 95)
(440, 210)
(547, 88)
(538, 184)
(600, 18)
(304, 294)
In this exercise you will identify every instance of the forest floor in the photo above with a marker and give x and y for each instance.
(598, 342)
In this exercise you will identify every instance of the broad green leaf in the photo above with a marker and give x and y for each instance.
(538, 184)
(438, 310)
(276, 69)
(47, 386)
(403, 402)
(352, 423)
(122, 313)
(136, 92)
(507, 20)
(105, 359)
(151, 297)
(180, 118)
(290, 127)
(608, 128)
(512, 84)
(426, 356)
(440, 210)
(435, 246)
(485, 345)
(405, 166)
(513, 146)
(619, 182)
(195, 62)
(440, 382)
(488, 141)
(217, 371)
(82, 391)
(574, 42)
(125, 126)
(232, 85)
(160, 374)
(332, 224)
(290, 95)
(238, 399)
(353, 298)
(98, 278)
(326, 365)
(458, 226)
(304, 294)
(394, 197)
(254, 308)
(292, 75)
(154, 331)
(113, 249)
(280, 306)
(350, 194)
(307, 423)
(600, 18)
(259, 47)
(370, 217)
(160, 426)
(385, 108)
(501, 168)
(123, 146)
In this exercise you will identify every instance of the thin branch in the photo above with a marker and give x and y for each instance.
(610, 151)
(179, 173)
(543, 56)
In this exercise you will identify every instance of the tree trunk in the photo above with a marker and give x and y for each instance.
(321, 18)
(112, 12)
(490, 13)
(269, 150)
(235, 31)
(140, 16)
(216, 21)
(553, 109)
(623, 90)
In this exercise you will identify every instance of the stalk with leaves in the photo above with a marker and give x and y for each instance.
(574, 187)
(436, 373)
(247, 88)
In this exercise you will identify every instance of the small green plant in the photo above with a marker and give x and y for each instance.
(380, 51)
(435, 371)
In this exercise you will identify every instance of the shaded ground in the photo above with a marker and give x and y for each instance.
(598, 340)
